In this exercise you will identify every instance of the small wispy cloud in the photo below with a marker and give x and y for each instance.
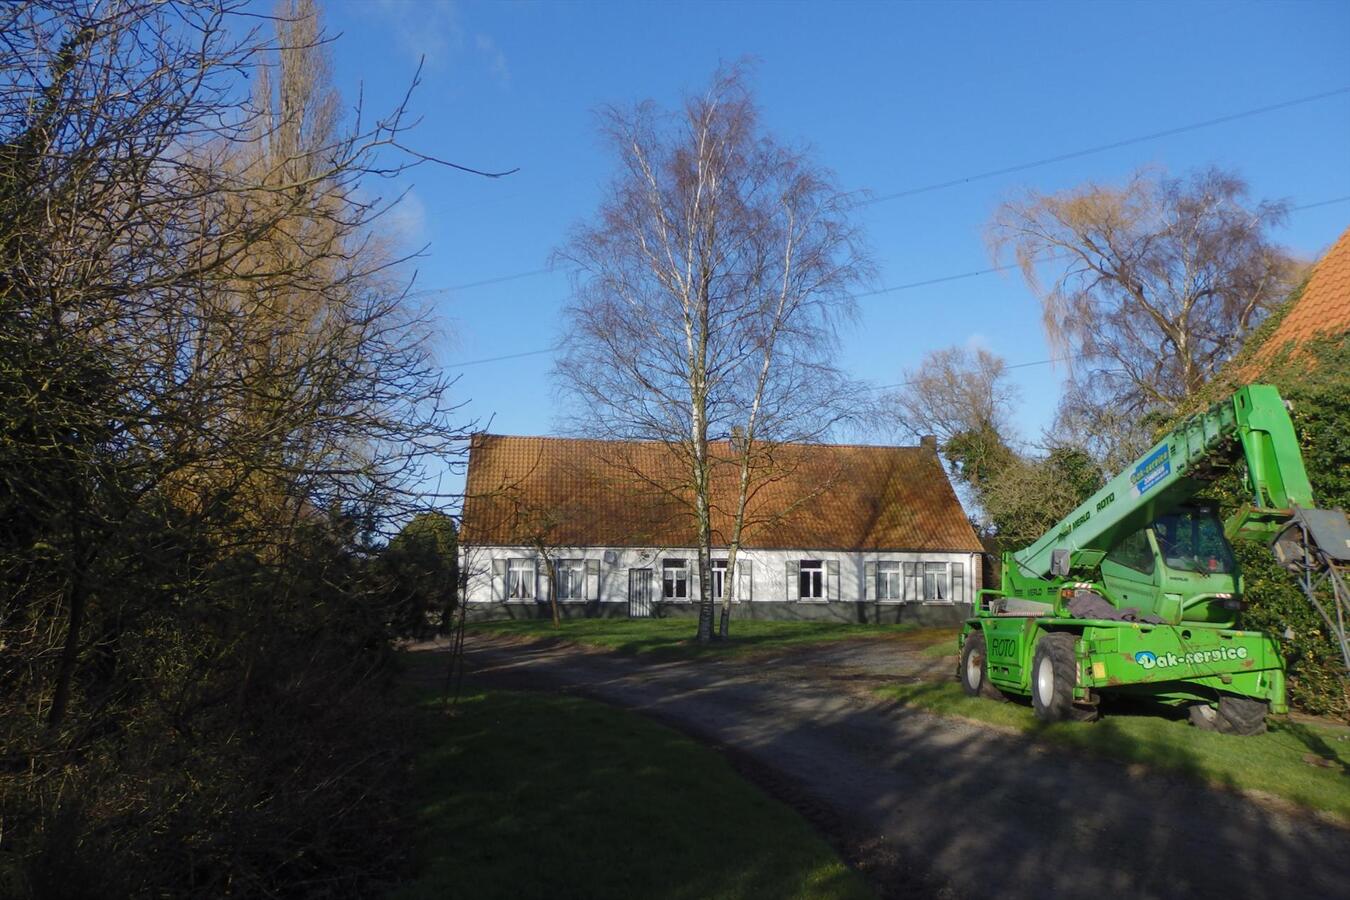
(496, 59)
(406, 221)
(977, 341)
(425, 29)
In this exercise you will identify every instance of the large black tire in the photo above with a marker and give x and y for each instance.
(1234, 715)
(974, 669)
(1053, 675)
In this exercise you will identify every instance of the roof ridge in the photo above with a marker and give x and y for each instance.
(655, 443)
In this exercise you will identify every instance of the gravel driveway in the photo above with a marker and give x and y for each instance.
(928, 806)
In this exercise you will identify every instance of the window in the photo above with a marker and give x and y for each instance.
(1192, 541)
(520, 579)
(571, 579)
(958, 582)
(888, 581)
(1134, 553)
(675, 579)
(811, 580)
(913, 581)
(935, 581)
(719, 577)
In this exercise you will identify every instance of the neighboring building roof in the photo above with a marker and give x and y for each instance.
(589, 493)
(1322, 309)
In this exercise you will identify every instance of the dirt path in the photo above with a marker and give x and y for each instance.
(929, 806)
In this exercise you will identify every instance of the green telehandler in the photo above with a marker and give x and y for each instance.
(1136, 591)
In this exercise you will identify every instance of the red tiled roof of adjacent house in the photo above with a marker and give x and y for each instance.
(1322, 309)
(588, 493)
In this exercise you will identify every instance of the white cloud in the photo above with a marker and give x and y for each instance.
(407, 221)
(496, 59)
(434, 31)
(977, 341)
(426, 29)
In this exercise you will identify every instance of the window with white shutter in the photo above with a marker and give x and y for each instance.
(810, 579)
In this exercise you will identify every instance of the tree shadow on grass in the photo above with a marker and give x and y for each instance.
(1317, 745)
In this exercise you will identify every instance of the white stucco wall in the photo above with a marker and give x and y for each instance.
(768, 570)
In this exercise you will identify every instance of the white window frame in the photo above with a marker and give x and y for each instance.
(911, 581)
(517, 564)
(890, 586)
(571, 580)
(675, 571)
(814, 570)
(934, 591)
(719, 578)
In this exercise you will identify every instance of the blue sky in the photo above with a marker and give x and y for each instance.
(890, 96)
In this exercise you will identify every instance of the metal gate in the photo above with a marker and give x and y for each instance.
(639, 593)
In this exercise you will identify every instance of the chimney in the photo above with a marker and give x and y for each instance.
(928, 442)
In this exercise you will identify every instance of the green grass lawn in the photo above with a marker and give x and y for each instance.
(675, 637)
(1307, 764)
(944, 646)
(538, 795)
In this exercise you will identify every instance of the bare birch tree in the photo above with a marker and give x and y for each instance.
(1157, 283)
(710, 284)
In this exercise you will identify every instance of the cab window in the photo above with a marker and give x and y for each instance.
(1134, 553)
(1192, 541)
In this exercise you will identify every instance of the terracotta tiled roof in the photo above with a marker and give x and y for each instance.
(626, 493)
(1322, 309)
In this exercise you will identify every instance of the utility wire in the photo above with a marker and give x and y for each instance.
(1022, 167)
(1101, 148)
(872, 293)
(1039, 362)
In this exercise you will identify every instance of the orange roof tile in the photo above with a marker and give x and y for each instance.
(1322, 309)
(589, 493)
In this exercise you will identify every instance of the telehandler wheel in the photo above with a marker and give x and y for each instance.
(1203, 716)
(975, 669)
(1234, 715)
(1053, 675)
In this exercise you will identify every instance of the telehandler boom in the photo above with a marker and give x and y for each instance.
(1136, 591)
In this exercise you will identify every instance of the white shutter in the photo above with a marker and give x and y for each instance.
(870, 591)
(592, 579)
(745, 579)
(793, 585)
(832, 587)
(499, 579)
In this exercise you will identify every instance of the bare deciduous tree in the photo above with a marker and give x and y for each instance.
(710, 285)
(1158, 281)
(964, 399)
(212, 394)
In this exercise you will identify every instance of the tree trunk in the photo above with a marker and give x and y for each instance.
(705, 602)
(65, 672)
(551, 576)
(728, 592)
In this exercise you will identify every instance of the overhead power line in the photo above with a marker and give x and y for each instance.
(1320, 203)
(861, 294)
(1039, 362)
(1022, 167)
(1102, 148)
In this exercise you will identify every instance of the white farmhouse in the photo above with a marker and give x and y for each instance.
(846, 532)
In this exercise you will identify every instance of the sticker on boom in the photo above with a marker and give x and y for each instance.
(1150, 660)
(1151, 471)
